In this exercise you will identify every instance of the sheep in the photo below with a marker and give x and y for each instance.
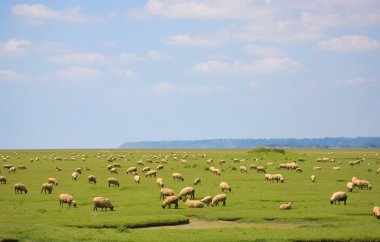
(338, 196)
(101, 202)
(136, 178)
(113, 181)
(20, 188)
(277, 177)
(378, 171)
(336, 168)
(177, 176)
(52, 181)
(286, 206)
(160, 182)
(267, 177)
(47, 187)
(3, 180)
(260, 169)
(12, 169)
(91, 179)
(243, 169)
(140, 163)
(131, 169)
(151, 173)
(219, 198)
(164, 192)
(58, 168)
(215, 171)
(299, 170)
(197, 181)
(160, 167)
(365, 184)
(114, 170)
(79, 170)
(312, 178)
(145, 169)
(66, 198)
(224, 186)
(109, 167)
(376, 212)
(74, 176)
(186, 191)
(253, 166)
(21, 167)
(169, 201)
(194, 203)
(207, 200)
(350, 186)
(317, 168)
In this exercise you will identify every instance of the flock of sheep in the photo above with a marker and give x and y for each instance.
(169, 196)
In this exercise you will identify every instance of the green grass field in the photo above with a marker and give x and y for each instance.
(253, 204)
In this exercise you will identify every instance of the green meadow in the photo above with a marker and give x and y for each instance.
(251, 214)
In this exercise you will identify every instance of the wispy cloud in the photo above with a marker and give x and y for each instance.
(78, 74)
(166, 87)
(350, 43)
(151, 55)
(78, 58)
(14, 47)
(187, 40)
(156, 55)
(359, 81)
(40, 14)
(261, 51)
(12, 76)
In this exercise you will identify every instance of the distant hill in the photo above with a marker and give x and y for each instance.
(357, 142)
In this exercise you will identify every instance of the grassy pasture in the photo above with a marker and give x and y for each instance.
(253, 204)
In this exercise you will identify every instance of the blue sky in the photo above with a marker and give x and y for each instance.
(95, 74)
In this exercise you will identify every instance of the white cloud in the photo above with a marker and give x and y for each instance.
(124, 74)
(126, 56)
(187, 40)
(262, 66)
(350, 43)
(259, 51)
(39, 14)
(359, 81)
(78, 74)
(78, 58)
(165, 87)
(10, 76)
(14, 47)
(156, 55)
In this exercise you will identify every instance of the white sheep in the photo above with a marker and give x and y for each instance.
(74, 175)
(336, 168)
(376, 212)
(312, 178)
(276, 177)
(91, 179)
(145, 169)
(317, 168)
(79, 170)
(52, 181)
(378, 171)
(224, 186)
(113, 181)
(19, 187)
(136, 178)
(215, 171)
(338, 196)
(186, 191)
(194, 203)
(177, 176)
(160, 182)
(160, 167)
(207, 200)
(243, 169)
(197, 181)
(164, 192)
(286, 206)
(102, 202)
(66, 198)
(260, 169)
(47, 187)
(131, 169)
(3, 180)
(169, 201)
(219, 198)
(113, 170)
(350, 186)
(151, 173)
(12, 170)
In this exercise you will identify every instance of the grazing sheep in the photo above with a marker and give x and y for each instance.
(74, 175)
(53, 181)
(312, 178)
(91, 179)
(207, 200)
(378, 171)
(194, 203)
(219, 198)
(253, 166)
(224, 186)
(20, 188)
(140, 163)
(137, 179)
(102, 202)
(338, 196)
(58, 168)
(317, 168)
(365, 184)
(114, 170)
(197, 181)
(177, 176)
(12, 170)
(131, 169)
(66, 198)
(79, 170)
(267, 177)
(160, 167)
(3, 180)
(376, 212)
(113, 181)
(336, 168)
(169, 201)
(109, 167)
(151, 173)
(277, 177)
(186, 191)
(164, 192)
(21, 167)
(243, 169)
(286, 206)
(260, 169)
(47, 187)
(145, 169)
(350, 186)
(160, 182)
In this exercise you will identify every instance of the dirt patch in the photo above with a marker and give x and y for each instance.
(195, 223)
